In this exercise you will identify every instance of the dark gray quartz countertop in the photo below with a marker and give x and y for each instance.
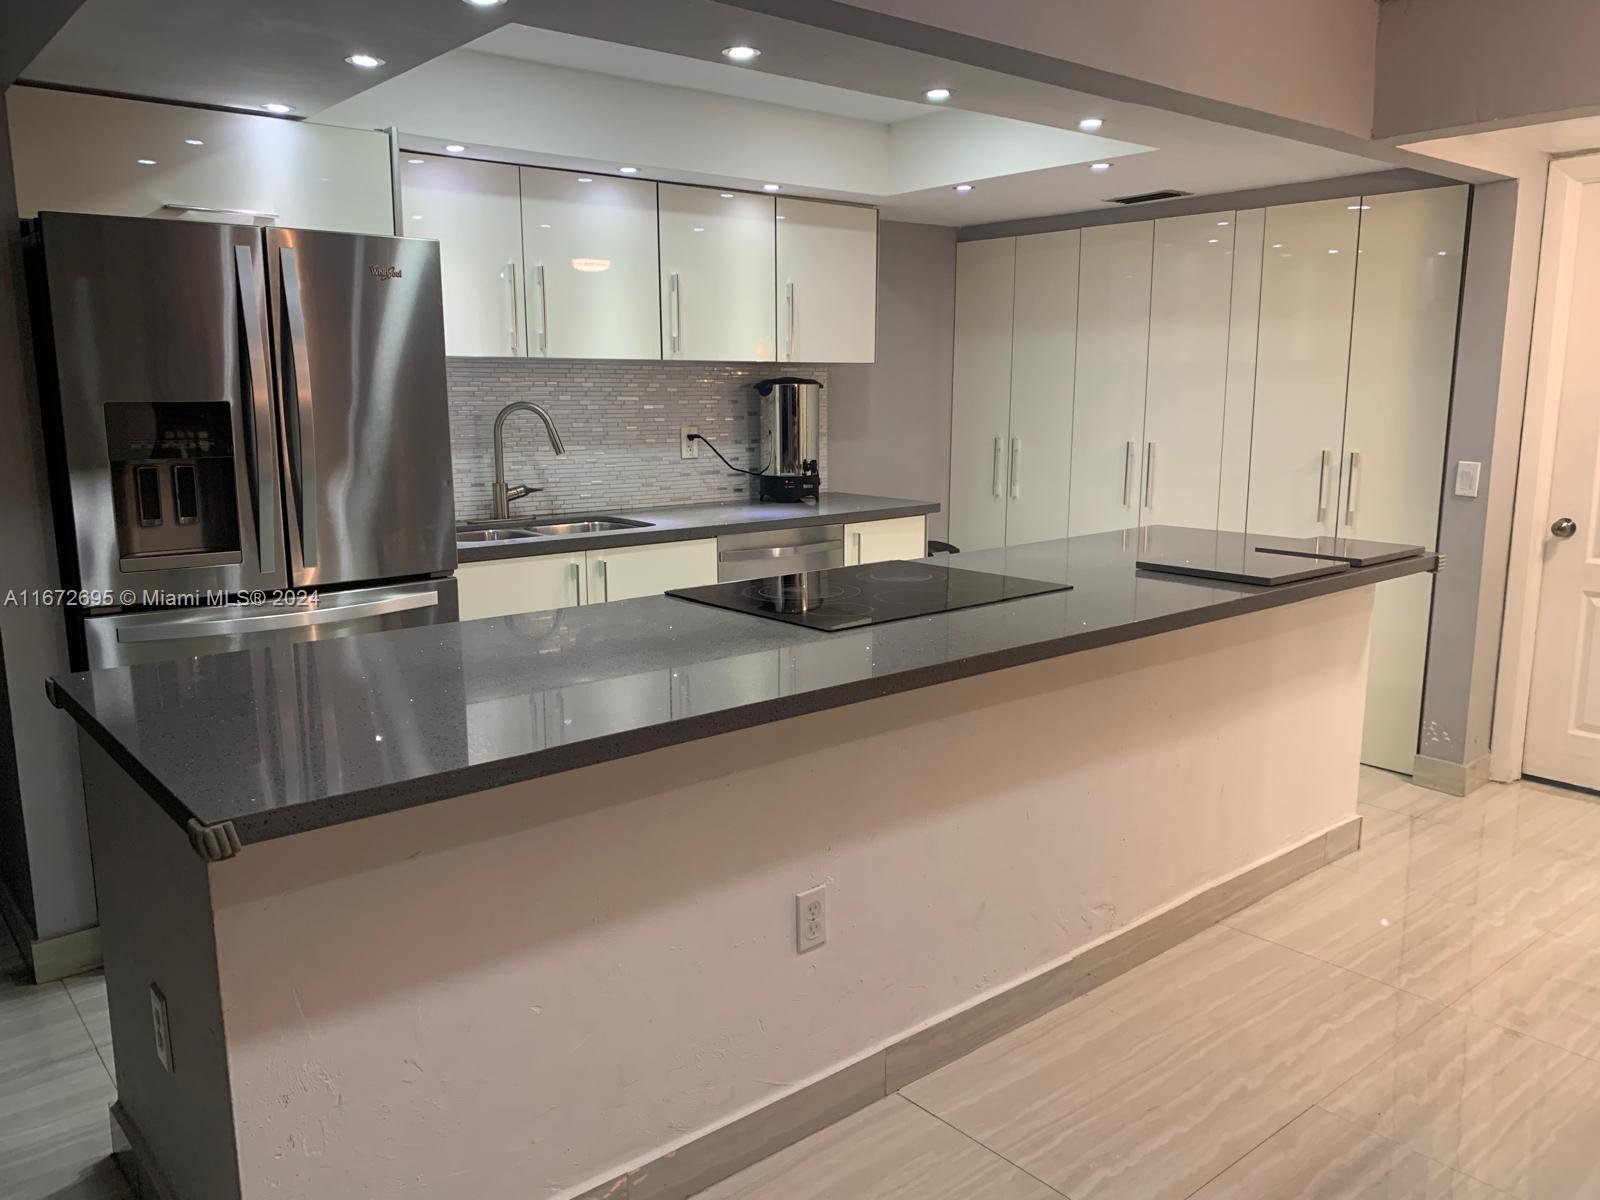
(687, 521)
(278, 741)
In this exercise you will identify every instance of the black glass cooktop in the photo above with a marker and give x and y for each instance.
(849, 597)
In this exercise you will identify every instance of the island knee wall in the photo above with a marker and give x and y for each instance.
(540, 986)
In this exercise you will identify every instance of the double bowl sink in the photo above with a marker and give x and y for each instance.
(555, 527)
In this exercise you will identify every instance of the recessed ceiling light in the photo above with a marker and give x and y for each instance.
(936, 94)
(365, 60)
(1099, 166)
(1090, 124)
(769, 187)
(416, 162)
(193, 142)
(274, 107)
(741, 53)
(585, 179)
(455, 147)
(146, 162)
(963, 187)
(629, 170)
(485, 3)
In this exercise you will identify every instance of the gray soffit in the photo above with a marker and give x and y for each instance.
(1375, 184)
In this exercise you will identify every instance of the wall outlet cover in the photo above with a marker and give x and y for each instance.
(686, 448)
(1467, 475)
(811, 918)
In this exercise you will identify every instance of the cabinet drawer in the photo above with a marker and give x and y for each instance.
(885, 541)
(629, 571)
(519, 585)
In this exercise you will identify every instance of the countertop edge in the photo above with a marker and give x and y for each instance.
(393, 797)
(797, 516)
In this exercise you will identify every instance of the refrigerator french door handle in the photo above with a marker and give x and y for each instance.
(1353, 490)
(260, 401)
(1322, 485)
(299, 396)
(190, 626)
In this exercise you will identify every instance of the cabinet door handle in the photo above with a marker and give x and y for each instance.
(1149, 472)
(1016, 445)
(544, 310)
(1352, 491)
(511, 284)
(857, 536)
(994, 476)
(674, 312)
(577, 582)
(1127, 476)
(1322, 486)
(789, 353)
(605, 581)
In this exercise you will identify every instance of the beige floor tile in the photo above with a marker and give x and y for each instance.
(55, 1141)
(1199, 1055)
(1550, 992)
(1324, 1157)
(1533, 886)
(88, 995)
(1370, 923)
(1530, 814)
(1503, 1108)
(1426, 855)
(891, 1150)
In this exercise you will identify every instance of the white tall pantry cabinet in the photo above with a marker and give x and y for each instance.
(1044, 345)
(981, 386)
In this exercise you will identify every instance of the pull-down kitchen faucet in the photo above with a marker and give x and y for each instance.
(504, 494)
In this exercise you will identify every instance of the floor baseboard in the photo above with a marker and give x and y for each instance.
(730, 1148)
(50, 958)
(1453, 779)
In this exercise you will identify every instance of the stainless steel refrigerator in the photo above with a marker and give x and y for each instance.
(247, 429)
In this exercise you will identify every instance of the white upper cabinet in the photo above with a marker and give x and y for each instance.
(1302, 363)
(718, 275)
(981, 393)
(1044, 340)
(589, 265)
(827, 281)
(1112, 357)
(472, 209)
(75, 152)
(1189, 309)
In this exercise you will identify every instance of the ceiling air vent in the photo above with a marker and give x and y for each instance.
(1147, 197)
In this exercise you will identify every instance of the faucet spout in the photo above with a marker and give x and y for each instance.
(503, 494)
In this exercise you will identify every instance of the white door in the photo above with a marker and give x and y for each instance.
(1563, 736)
(590, 269)
(1044, 339)
(520, 585)
(474, 212)
(1108, 399)
(1302, 363)
(1190, 295)
(624, 572)
(1402, 348)
(885, 541)
(827, 282)
(981, 395)
(719, 300)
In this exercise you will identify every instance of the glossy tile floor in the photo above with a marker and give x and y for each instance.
(1419, 1021)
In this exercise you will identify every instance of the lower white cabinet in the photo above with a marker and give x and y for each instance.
(624, 572)
(503, 586)
(885, 541)
(75, 152)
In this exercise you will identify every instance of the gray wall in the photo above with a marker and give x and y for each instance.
(890, 420)
(1454, 64)
(49, 804)
(620, 422)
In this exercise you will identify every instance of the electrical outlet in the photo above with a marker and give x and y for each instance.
(811, 919)
(160, 1026)
(687, 448)
(1467, 474)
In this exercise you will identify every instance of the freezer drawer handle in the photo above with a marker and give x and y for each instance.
(301, 401)
(259, 397)
(191, 626)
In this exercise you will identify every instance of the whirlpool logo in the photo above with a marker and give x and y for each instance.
(384, 272)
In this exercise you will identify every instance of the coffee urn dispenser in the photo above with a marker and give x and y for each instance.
(790, 438)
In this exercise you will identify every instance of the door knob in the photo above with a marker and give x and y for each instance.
(1564, 528)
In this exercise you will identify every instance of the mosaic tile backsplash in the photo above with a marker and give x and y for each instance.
(620, 423)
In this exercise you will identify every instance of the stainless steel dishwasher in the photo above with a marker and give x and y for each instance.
(779, 552)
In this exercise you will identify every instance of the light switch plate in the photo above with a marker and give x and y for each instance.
(1467, 474)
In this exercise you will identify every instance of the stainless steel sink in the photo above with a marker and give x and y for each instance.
(479, 537)
(596, 525)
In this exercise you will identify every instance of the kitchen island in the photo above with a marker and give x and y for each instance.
(509, 907)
